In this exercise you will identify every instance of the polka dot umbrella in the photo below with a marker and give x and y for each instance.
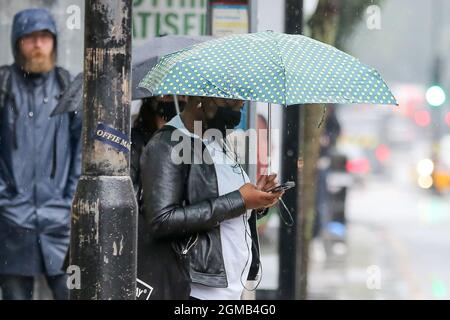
(268, 67)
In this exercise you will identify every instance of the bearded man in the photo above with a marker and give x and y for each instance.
(39, 160)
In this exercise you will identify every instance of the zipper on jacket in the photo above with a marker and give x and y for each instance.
(189, 246)
(31, 114)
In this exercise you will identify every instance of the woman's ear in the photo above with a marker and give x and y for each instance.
(202, 100)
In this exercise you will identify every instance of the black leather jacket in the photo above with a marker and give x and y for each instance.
(179, 230)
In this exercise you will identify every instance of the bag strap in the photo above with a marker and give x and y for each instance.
(63, 77)
(64, 80)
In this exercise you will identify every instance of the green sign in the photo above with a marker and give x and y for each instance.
(152, 18)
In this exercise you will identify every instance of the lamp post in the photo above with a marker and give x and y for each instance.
(104, 222)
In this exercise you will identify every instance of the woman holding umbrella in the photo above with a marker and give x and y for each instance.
(188, 210)
(200, 237)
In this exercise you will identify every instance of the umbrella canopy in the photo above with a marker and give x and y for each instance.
(147, 55)
(144, 58)
(268, 67)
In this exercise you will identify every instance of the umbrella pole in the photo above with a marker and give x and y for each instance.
(177, 106)
(269, 138)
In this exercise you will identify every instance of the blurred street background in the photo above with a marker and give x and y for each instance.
(397, 209)
(398, 221)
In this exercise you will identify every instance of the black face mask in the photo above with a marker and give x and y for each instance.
(224, 119)
(167, 110)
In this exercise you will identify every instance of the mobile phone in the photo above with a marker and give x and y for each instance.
(282, 187)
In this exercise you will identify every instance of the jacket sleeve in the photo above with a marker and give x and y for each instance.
(163, 183)
(4, 86)
(75, 159)
(3, 185)
(4, 193)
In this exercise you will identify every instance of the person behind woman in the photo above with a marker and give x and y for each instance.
(153, 114)
(198, 234)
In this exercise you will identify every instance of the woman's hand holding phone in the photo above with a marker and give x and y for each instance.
(258, 199)
(267, 182)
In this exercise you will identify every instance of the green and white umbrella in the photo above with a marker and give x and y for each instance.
(268, 67)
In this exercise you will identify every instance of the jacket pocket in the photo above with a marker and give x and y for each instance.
(206, 255)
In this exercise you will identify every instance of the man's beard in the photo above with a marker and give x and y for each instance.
(38, 62)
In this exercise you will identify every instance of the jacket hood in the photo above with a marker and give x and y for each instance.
(31, 20)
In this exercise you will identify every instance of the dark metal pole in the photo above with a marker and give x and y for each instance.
(291, 164)
(104, 221)
(208, 17)
(436, 38)
(436, 111)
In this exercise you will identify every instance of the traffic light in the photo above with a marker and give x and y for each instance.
(435, 95)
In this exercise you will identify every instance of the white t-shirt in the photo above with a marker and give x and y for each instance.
(234, 233)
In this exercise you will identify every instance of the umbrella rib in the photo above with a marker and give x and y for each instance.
(216, 86)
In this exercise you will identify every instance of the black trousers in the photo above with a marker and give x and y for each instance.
(21, 287)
